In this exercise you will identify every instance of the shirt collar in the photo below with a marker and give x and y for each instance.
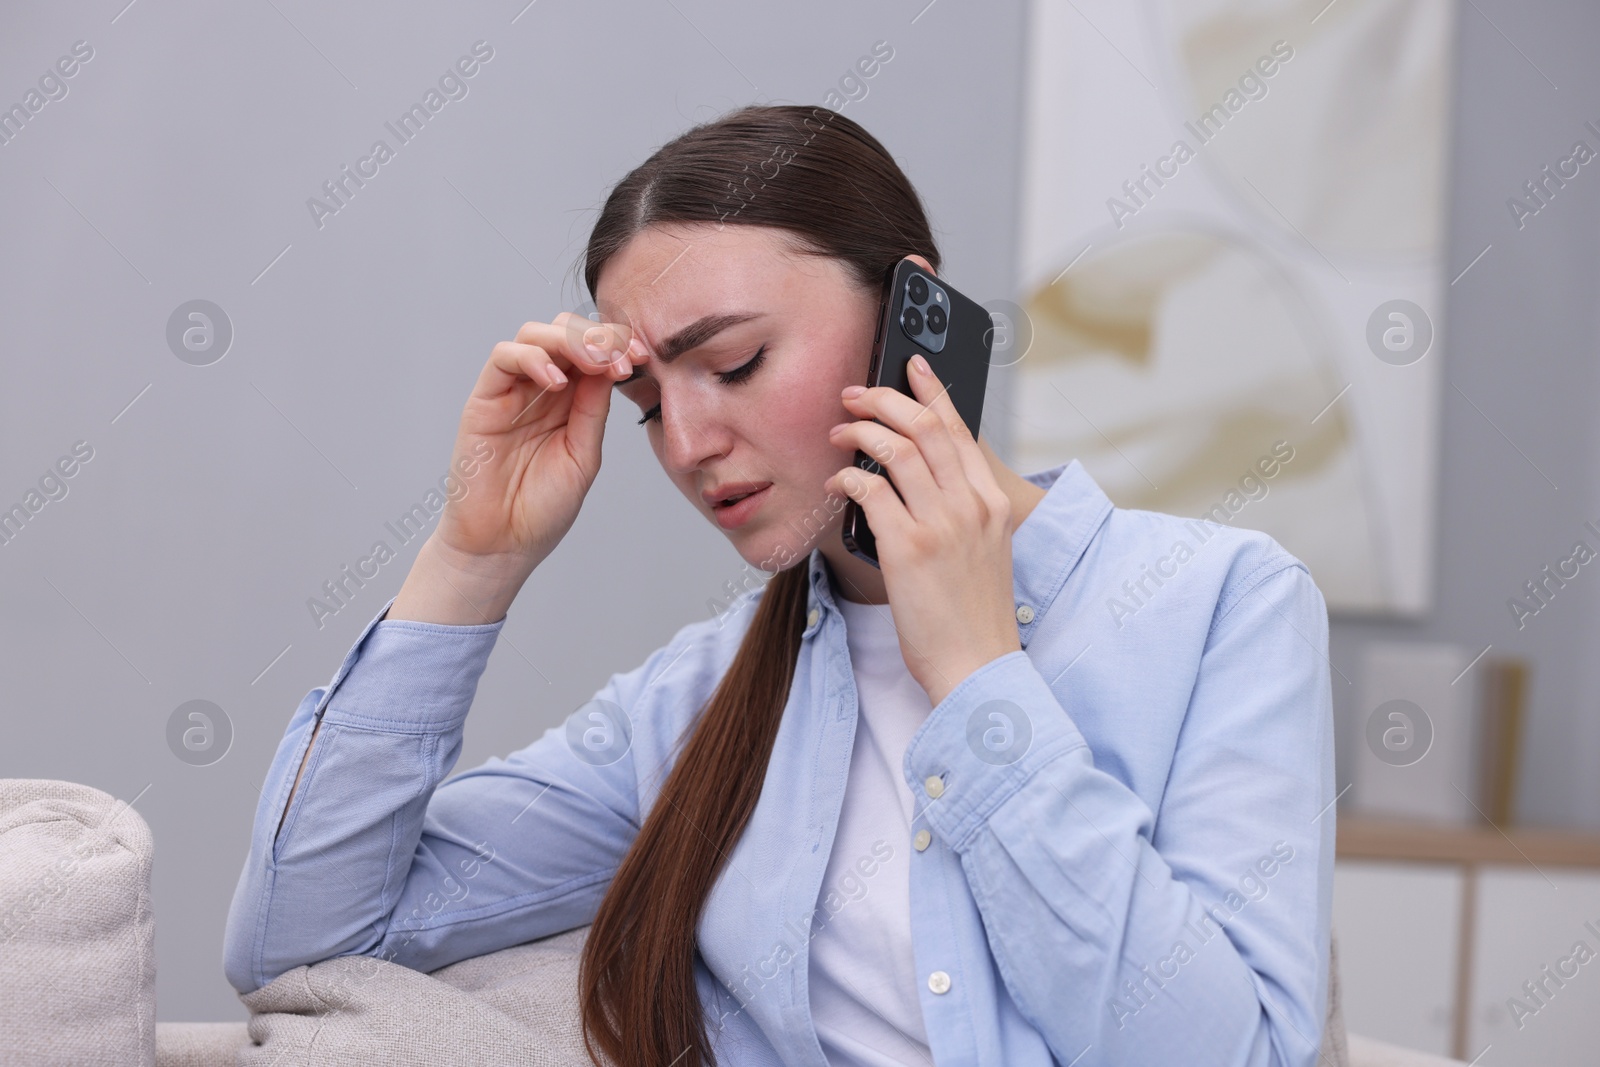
(1044, 549)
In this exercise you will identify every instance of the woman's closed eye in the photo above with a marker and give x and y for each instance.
(732, 377)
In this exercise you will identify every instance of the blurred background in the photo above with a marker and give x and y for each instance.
(1349, 243)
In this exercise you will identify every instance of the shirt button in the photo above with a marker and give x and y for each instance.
(922, 840)
(1024, 614)
(934, 785)
(939, 982)
(811, 619)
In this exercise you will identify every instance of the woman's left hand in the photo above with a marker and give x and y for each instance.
(945, 551)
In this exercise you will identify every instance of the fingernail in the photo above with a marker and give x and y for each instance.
(594, 338)
(853, 391)
(921, 364)
(556, 375)
(837, 428)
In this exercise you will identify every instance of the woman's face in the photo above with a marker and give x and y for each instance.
(717, 420)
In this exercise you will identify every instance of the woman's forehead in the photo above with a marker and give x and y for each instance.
(664, 279)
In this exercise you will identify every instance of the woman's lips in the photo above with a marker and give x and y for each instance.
(731, 515)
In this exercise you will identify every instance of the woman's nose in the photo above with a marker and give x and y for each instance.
(690, 436)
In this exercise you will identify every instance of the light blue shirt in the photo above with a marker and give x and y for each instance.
(1131, 855)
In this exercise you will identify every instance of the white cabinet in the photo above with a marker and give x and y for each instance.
(1398, 925)
(1529, 942)
(1536, 926)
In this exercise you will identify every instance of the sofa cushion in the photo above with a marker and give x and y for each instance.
(77, 932)
(517, 1005)
(1335, 1040)
(200, 1044)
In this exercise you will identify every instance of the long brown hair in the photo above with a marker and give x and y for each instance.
(830, 184)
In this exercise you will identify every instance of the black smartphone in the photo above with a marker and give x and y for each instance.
(920, 313)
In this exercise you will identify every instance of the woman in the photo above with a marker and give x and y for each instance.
(960, 810)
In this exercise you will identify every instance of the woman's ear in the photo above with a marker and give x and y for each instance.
(923, 263)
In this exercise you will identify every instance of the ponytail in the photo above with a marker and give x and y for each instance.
(639, 999)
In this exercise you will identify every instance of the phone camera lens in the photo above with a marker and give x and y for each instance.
(911, 319)
(936, 320)
(918, 288)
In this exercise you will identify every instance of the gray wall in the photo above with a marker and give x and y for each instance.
(1520, 343)
(177, 167)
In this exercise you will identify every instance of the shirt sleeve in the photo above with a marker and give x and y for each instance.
(377, 857)
(1197, 936)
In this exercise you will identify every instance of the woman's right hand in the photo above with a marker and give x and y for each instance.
(530, 437)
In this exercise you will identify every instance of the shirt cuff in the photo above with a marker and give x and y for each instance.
(989, 734)
(404, 676)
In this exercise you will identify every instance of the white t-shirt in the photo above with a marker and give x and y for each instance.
(863, 983)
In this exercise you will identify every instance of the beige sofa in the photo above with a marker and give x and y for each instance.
(77, 972)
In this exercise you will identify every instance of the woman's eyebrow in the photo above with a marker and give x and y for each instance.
(693, 336)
